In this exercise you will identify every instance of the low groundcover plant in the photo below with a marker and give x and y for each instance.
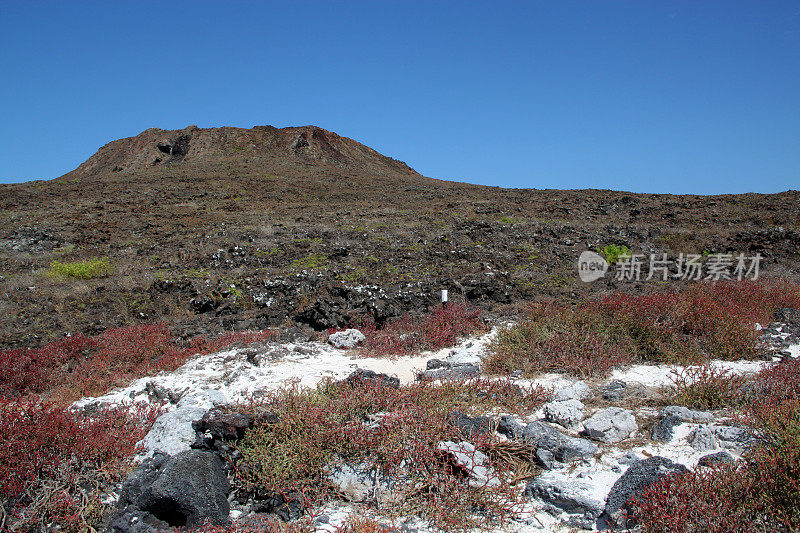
(689, 326)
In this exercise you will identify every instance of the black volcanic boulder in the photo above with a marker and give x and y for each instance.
(222, 425)
(638, 477)
(186, 490)
(361, 377)
(470, 426)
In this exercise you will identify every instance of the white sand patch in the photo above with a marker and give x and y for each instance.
(794, 350)
(662, 375)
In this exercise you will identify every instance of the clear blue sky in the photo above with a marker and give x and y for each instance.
(647, 96)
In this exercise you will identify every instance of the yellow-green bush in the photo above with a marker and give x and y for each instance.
(86, 269)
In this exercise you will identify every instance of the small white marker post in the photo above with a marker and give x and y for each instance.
(444, 297)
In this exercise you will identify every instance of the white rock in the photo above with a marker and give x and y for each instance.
(205, 398)
(569, 495)
(702, 439)
(734, 437)
(346, 339)
(172, 432)
(687, 415)
(566, 413)
(610, 425)
(473, 461)
(463, 356)
(577, 391)
(358, 483)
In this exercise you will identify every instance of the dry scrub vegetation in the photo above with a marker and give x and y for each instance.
(55, 465)
(707, 320)
(313, 427)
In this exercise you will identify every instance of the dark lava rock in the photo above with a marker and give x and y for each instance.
(296, 334)
(510, 428)
(229, 426)
(714, 459)
(471, 425)
(186, 490)
(787, 315)
(663, 430)
(614, 390)
(362, 377)
(216, 430)
(433, 364)
(286, 507)
(552, 445)
(443, 370)
(638, 477)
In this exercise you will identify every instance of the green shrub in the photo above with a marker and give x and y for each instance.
(309, 262)
(86, 269)
(614, 253)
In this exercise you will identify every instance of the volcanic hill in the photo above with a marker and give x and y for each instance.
(229, 228)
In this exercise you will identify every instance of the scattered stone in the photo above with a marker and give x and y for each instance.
(568, 495)
(577, 391)
(787, 315)
(614, 390)
(470, 426)
(433, 364)
(629, 458)
(285, 506)
(370, 377)
(639, 476)
(463, 357)
(663, 430)
(344, 340)
(553, 446)
(713, 459)
(610, 425)
(687, 415)
(299, 333)
(186, 490)
(702, 438)
(158, 393)
(438, 369)
(361, 482)
(734, 437)
(566, 413)
(473, 462)
(509, 427)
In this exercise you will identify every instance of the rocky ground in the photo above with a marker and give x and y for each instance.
(210, 230)
(594, 443)
(305, 232)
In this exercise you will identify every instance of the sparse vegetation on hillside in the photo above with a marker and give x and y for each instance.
(86, 269)
(614, 253)
(714, 319)
(439, 329)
